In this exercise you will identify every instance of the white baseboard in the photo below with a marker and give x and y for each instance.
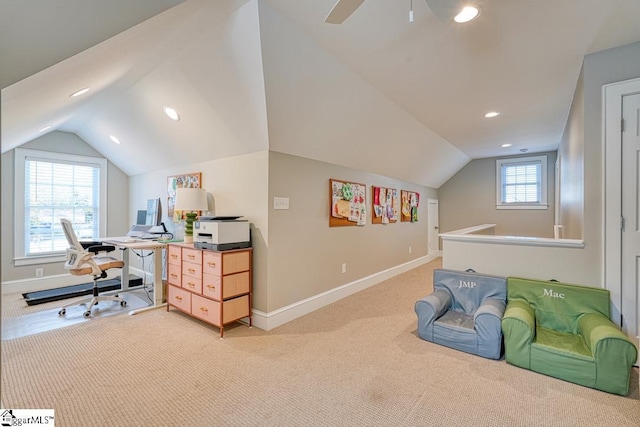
(273, 319)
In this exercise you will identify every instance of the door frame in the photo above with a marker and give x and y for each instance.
(430, 226)
(612, 95)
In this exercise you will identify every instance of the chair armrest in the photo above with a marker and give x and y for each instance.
(487, 324)
(596, 328)
(613, 352)
(520, 311)
(433, 305)
(429, 309)
(519, 330)
(100, 248)
(490, 307)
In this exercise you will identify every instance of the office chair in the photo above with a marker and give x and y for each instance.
(84, 260)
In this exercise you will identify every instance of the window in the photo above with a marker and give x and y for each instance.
(51, 186)
(521, 183)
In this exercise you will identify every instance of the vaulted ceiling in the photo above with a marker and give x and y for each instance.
(376, 93)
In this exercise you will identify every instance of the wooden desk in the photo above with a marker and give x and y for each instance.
(147, 245)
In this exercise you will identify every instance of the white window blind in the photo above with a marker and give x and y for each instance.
(51, 186)
(521, 183)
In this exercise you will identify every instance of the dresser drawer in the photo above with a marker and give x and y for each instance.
(206, 309)
(212, 263)
(191, 269)
(174, 255)
(174, 274)
(235, 284)
(234, 262)
(179, 298)
(193, 284)
(235, 309)
(211, 286)
(192, 255)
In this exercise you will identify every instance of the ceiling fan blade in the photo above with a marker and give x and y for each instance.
(342, 10)
(445, 10)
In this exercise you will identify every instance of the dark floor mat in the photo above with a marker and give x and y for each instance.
(47, 295)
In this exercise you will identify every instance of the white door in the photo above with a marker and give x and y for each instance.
(433, 246)
(630, 213)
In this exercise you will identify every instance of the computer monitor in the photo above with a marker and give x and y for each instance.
(154, 212)
(142, 218)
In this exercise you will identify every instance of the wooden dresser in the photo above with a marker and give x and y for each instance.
(210, 285)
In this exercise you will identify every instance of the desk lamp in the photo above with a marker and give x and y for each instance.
(190, 200)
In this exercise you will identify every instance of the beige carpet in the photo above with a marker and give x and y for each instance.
(357, 362)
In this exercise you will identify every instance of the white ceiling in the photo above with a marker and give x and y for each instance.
(520, 57)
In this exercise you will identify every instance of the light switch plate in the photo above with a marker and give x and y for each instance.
(280, 203)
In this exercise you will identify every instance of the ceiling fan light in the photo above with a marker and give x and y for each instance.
(491, 114)
(467, 14)
(506, 145)
(114, 139)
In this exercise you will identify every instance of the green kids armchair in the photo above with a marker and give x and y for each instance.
(565, 331)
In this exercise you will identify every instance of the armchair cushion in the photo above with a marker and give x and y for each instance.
(564, 331)
(464, 312)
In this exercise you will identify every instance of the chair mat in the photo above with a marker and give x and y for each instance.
(48, 320)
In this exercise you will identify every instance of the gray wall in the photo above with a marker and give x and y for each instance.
(582, 152)
(60, 142)
(469, 198)
(305, 254)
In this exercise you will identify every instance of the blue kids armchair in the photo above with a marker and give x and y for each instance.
(464, 312)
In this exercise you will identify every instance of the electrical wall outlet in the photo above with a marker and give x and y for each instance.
(39, 272)
(344, 267)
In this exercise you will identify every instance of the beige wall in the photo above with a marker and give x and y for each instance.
(571, 155)
(238, 186)
(469, 198)
(60, 142)
(305, 254)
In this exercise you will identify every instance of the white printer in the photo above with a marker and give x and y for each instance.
(221, 233)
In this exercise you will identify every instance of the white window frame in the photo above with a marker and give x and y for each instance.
(21, 155)
(500, 204)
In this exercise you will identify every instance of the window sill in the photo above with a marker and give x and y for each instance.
(523, 207)
(34, 260)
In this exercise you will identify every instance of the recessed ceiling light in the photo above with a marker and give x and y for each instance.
(468, 13)
(114, 139)
(506, 145)
(45, 128)
(491, 114)
(79, 92)
(171, 113)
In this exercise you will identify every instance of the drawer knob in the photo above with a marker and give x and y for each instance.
(174, 275)
(191, 285)
(211, 264)
(191, 270)
(174, 256)
(213, 288)
(191, 256)
(179, 298)
(204, 310)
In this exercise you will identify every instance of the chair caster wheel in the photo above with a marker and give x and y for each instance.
(123, 303)
(95, 303)
(86, 314)
(62, 312)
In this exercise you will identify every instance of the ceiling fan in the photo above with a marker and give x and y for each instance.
(444, 10)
